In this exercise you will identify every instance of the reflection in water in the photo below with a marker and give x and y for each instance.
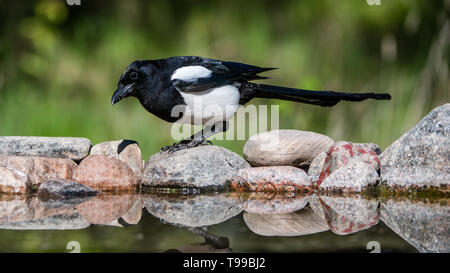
(192, 210)
(424, 225)
(349, 215)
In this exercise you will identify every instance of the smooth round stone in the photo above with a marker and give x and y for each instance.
(285, 147)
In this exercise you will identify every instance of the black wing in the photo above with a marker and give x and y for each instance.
(223, 73)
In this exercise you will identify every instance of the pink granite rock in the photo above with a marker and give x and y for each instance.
(272, 179)
(126, 150)
(40, 169)
(341, 152)
(105, 173)
(13, 181)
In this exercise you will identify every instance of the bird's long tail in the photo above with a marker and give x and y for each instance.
(322, 98)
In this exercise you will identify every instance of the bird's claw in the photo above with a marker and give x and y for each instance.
(185, 145)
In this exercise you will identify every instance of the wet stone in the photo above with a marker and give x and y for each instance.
(126, 150)
(316, 166)
(106, 174)
(75, 148)
(279, 179)
(285, 148)
(58, 189)
(356, 176)
(421, 157)
(208, 167)
(342, 152)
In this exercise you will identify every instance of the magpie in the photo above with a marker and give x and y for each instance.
(208, 92)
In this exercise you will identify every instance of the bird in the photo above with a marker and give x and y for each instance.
(181, 89)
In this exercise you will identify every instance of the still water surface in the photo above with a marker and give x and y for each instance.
(231, 222)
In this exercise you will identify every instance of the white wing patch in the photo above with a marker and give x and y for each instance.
(191, 73)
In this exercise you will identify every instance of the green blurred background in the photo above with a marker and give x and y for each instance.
(60, 64)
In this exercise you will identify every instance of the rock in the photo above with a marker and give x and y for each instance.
(341, 152)
(40, 169)
(298, 223)
(207, 167)
(262, 203)
(192, 210)
(356, 176)
(421, 157)
(272, 179)
(316, 166)
(285, 147)
(126, 150)
(55, 222)
(75, 148)
(57, 189)
(105, 173)
(13, 181)
(424, 225)
(347, 215)
(106, 208)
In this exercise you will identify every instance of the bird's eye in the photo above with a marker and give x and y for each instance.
(134, 75)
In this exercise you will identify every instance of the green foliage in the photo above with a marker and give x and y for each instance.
(60, 64)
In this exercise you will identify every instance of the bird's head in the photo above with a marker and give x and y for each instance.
(132, 81)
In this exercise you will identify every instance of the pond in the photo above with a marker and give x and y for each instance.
(167, 221)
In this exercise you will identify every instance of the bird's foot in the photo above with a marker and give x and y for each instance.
(185, 145)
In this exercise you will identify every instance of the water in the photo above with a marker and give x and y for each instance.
(232, 222)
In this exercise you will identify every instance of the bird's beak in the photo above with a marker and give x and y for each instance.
(121, 93)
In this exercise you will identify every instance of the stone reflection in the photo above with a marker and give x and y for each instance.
(32, 213)
(272, 203)
(192, 210)
(301, 222)
(422, 224)
(347, 215)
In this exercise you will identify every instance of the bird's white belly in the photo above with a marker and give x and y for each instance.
(215, 104)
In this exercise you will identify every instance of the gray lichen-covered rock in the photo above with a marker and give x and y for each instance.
(302, 222)
(57, 189)
(13, 181)
(316, 167)
(75, 148)
(421, 157)
(285, 147)
(423, 225)
(126, 150)
(356, 176)
(208, 167)
(192, 210)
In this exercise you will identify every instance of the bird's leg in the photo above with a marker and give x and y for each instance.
(199, 138)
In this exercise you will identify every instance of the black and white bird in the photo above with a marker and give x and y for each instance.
(209, 92)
